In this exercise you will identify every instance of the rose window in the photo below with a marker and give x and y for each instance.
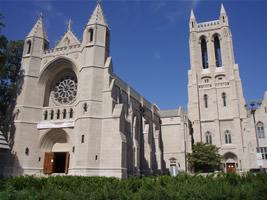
(65, 90)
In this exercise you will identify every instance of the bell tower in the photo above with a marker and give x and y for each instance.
(216, 102)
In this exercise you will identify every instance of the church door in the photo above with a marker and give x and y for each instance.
(230, 168)
(56, 162)
(49, 163)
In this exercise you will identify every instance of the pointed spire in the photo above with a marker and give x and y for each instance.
(223, 12)
(192, 15)
(38, 29)
(97, 17)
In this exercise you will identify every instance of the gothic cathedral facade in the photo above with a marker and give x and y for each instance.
(75, 116)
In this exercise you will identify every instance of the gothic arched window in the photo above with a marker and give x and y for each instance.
(85, 107)
(45, 115)
(217, 49)
(208, 138)
(206, 100)
(260, 130)
(58, 114)
(64, 114)
(29, 46)
(204, 53)
(91, 35)
(228, 137)
(52, 114)
(224, 99)
(71, 113)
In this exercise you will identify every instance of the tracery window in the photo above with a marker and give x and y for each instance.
(260, 130)
(65, 89)
(228, 137)
(208, 138)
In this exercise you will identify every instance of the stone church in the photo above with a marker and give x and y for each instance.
(75, 116)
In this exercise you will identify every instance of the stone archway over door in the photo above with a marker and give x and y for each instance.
(230, 162)
(56, 152)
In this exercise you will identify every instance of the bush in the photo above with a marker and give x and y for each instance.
(211, 187)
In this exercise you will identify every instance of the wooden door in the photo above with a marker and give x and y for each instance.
(67, 162)
(48, 163)
(231, 168)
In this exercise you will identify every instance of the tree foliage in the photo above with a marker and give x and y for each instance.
(10, 75)
(204, 157)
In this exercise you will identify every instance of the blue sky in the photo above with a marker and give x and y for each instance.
(149, 39)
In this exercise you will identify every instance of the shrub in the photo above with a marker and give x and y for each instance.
(211, 187)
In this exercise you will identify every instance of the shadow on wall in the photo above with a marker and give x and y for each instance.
(9, 165)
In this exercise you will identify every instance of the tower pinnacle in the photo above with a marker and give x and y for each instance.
(192, 15)
(38, 29)
(223, 12)
(97, 17)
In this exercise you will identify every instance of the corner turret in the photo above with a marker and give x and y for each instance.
(36, 41)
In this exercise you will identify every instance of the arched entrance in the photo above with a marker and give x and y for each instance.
(230, 162)
(56, 148)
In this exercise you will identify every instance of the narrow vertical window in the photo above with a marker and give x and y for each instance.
(217, 49)
(58, 114)
(260, 130)
(85, 107)
(82, 140)
(107, 39)
(64, 114)
(45, 115)
(204, 53)
(224, 99)
(208, 138)
(29, 46)
(71, 113)
(228, 137)
(52, 114)
(91, 35)
(206, 100)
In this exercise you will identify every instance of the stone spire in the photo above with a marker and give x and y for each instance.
(223, 12)
(192, 15)
(38, 29)
(97, 17)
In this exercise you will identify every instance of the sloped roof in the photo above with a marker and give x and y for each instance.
(97, 17)
(38, 30)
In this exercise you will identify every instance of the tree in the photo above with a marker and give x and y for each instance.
(204, 157)
(10, 76)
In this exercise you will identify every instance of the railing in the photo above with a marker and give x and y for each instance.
(222, 84)
(62, 48)
(207, 24)
(58, 113)
(204, 86)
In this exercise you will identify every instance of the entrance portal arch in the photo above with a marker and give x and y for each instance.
(56, 146)
(230, 162)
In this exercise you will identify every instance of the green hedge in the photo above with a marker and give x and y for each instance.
(197, 187)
